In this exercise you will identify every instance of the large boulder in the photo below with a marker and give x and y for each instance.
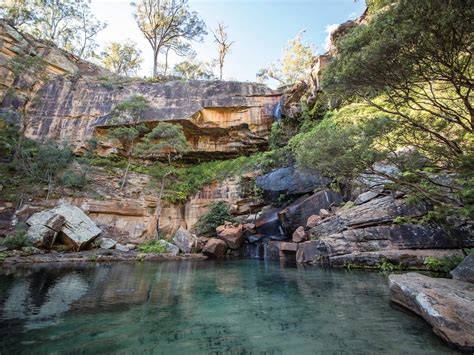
(379, 211)
(299, 235)
(232, 235)
(67, 222)
(298, 212)
(289, 181)
(447, 305)
(44, 228)
(79, 230)
(185, 241)
(215, 248)
(170, 248)
(465, 270)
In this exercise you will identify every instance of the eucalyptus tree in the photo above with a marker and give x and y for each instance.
(163, 22)
(223, 45)
(128, 129)
(122, 58)
(166, 141)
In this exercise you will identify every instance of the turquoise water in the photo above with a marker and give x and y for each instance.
(205, 307)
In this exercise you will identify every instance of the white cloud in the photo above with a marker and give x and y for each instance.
(329, 29)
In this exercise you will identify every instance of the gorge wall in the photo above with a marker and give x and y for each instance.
(69, 99)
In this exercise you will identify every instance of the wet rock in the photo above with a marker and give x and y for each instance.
(307, 252)
(298, 212)
(287, 246)
(107, 243)
(44, 228)
(299, 235)
(289, 181)
(447, 305)
(465, 270)
(185, 241)
(312, 221)
(215, 248)
(403, 259)
(232, 235)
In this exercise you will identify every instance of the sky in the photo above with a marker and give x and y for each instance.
(259, 28)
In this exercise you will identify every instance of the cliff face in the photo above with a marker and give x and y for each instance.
(72, 100)
(219, 118)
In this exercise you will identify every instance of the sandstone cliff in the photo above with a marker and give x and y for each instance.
(72, 100)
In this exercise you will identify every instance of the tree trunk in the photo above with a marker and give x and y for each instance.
(124, 181)
(155, 64)
(166, 60)
(221, 65)
(158, 207)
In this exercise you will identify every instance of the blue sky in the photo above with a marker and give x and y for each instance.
(260, 28)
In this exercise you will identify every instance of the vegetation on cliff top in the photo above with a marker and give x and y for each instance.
(403, 82)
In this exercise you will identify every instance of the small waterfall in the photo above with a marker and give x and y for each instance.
(277, 111)
(268, 229)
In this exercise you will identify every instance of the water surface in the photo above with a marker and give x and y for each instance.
(205, 307)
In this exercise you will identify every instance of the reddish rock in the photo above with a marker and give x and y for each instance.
(288, 246)
(299, 235)
(215, 248)
(323, 213)
(233, 236)
(312, 221)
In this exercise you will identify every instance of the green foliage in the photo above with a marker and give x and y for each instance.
(22, 64)
(110, 161)
(41, 162)
(3, 256)
(17, 239)
(74, 179)
(92, 258)
(165, 139)
(185, 181)
(295, 64)
(8, 139)
(218, 213)
(194, 70)
(153, 246)
(444, 265)
(70, 24)
(340, 149)
(387, 266)
(122, 58)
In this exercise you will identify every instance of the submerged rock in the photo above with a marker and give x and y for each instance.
(185, 241)
(447, 305)
(465, 270)
(215, 248)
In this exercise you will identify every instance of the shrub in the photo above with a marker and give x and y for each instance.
(74, 179)
(444, 265)
(17, 239)
(3, 256)
(218, 213)
(153, 246)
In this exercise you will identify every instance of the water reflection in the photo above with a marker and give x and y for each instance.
(194, 307)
